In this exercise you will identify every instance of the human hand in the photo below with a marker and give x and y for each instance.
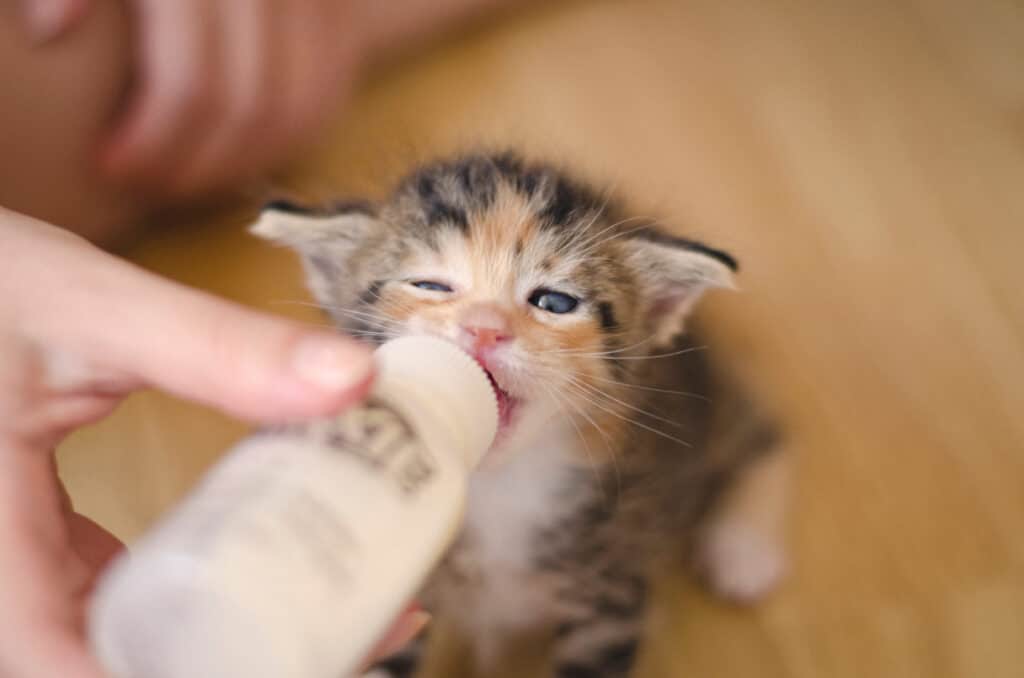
(79, 330)
(222, 88)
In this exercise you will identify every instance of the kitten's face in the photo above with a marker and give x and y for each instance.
(528, 272)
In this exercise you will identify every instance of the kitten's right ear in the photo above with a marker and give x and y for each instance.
(675, 274)
(324, 239)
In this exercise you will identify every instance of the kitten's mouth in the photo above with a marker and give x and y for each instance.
(507, 403)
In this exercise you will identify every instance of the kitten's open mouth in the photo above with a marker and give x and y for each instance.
(507, 403)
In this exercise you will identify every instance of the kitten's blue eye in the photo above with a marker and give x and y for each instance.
(432, 286)
(553, 302)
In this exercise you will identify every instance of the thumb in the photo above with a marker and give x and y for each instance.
(126, 322)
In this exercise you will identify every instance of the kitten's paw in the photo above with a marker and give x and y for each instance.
(740, 562)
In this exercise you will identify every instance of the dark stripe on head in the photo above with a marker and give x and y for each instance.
(509, 164)
(564, 200)
(527, 180)
(528, 183)
(656, 236)
(477, 179)
(438, 210)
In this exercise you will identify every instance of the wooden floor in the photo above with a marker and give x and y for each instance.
(865, 160)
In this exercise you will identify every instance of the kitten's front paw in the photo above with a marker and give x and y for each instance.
(740, 562)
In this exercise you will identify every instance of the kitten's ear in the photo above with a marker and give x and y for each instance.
(675, 273)
(305, 228)
(324, 239)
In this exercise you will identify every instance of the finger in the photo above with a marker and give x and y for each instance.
(219, 353)
(127, 321)
(173, 91)
(48, 19)
(246, 51)
(40, 630)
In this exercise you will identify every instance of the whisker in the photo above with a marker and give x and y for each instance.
(638, 410)
(371, 334)
(688, 394)
(690, 349)
(562, 369)
(590, 456)
(572, 351)
(593, 243)
(608, 443)
(618, 234)
(597, 215)
(588, 397)
(354, 313)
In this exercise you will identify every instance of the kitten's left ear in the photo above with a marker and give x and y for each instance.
(304, 228)
(325, 239)
(675, 273)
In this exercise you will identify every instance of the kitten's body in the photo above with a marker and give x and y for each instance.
(621, 447)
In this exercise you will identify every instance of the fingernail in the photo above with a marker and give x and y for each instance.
(331, 364)
(46, 18)
(407, 628)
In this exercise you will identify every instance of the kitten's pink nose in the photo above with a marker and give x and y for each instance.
(485, 326)
(486, 337)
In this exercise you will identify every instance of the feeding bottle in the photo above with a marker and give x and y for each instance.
(299, 548)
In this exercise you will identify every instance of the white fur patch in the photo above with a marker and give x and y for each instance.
(508, 504)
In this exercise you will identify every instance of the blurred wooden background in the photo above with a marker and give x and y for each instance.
(865, 160)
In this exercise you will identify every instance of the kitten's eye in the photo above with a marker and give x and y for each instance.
(553, 302)
(431, 285)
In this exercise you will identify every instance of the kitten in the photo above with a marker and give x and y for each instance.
(620, 446)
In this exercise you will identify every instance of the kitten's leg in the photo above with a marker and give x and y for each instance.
(741, 548)
(601, 638)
